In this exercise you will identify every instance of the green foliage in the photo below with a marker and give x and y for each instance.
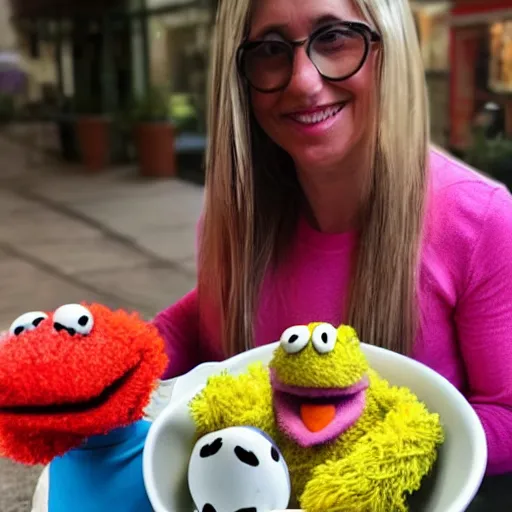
(492, 156)
(159, 105)
(152, 106)
(183, 112)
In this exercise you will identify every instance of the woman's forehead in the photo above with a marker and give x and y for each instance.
(299, 17)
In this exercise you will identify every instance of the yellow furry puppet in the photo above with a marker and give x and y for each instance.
(352, 441)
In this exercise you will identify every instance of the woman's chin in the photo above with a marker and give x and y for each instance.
(315, 159)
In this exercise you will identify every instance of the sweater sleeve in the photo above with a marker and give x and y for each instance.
(484, 324)
(179, 327)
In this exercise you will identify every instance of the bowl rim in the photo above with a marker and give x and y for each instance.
(464, 408)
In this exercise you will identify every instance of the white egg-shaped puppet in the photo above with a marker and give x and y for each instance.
(238, 468)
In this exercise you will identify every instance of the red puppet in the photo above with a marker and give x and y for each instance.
(74, 384)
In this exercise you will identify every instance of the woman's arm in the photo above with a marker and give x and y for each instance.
(484, 327)
(179, 327)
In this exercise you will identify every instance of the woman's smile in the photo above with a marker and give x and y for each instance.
(316, 120)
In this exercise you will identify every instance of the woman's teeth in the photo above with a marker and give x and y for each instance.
(319, 116)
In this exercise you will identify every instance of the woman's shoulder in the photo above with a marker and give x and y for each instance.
(464, 200)
(453, 179)
(468, 222)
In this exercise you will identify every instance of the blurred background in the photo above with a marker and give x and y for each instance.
(111, 66)
(102, 139)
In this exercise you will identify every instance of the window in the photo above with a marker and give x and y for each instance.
(500, 61)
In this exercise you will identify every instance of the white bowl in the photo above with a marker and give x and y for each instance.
(462, 458)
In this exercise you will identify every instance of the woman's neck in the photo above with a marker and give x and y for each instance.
(334, 199)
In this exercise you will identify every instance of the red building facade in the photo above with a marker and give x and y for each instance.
(481, 64)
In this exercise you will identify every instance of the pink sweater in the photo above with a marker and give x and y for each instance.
(465, 298)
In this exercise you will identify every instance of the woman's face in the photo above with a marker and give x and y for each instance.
(318, 122)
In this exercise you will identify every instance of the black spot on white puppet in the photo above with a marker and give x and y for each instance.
(209, 450)
(238, 469)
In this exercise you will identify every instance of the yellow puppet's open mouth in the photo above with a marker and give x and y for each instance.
(312, 416)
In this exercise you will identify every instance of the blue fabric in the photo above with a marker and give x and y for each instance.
(103, 475)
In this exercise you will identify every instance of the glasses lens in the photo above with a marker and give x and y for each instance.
(338, 52)
(267, 65)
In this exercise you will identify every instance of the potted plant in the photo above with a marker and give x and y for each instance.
(93, 134)
(154, 135)
(492, 156)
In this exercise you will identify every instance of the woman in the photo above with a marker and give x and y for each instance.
(325, 202)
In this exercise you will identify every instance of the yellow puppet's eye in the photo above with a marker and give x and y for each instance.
(324, 338)
(295, 338)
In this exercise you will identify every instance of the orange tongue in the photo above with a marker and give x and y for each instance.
(317, 417)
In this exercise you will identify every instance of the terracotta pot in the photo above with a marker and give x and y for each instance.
(94, 140)
(155, 149)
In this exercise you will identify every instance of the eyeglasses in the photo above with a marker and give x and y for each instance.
(337, 51)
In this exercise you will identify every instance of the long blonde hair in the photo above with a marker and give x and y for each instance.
(252, 193)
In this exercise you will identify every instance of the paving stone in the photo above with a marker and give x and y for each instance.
(173, 244)
(85, 255)
(26, 288)
(78, 189)
(17, 484)
(126, 207)
(40, 225)
(11, 204)
(189, 265)
(151, 289)
(17, 161)
(138, 217)
(133, 215)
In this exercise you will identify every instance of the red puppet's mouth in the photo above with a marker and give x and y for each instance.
(71, 407)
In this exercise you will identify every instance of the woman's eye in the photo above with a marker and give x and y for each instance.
(330, 36)
(334, 40)
(271, 49)
(274, 48)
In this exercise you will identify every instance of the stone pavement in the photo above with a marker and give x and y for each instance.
(67, 236)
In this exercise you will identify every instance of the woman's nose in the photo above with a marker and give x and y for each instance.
(305, 77)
